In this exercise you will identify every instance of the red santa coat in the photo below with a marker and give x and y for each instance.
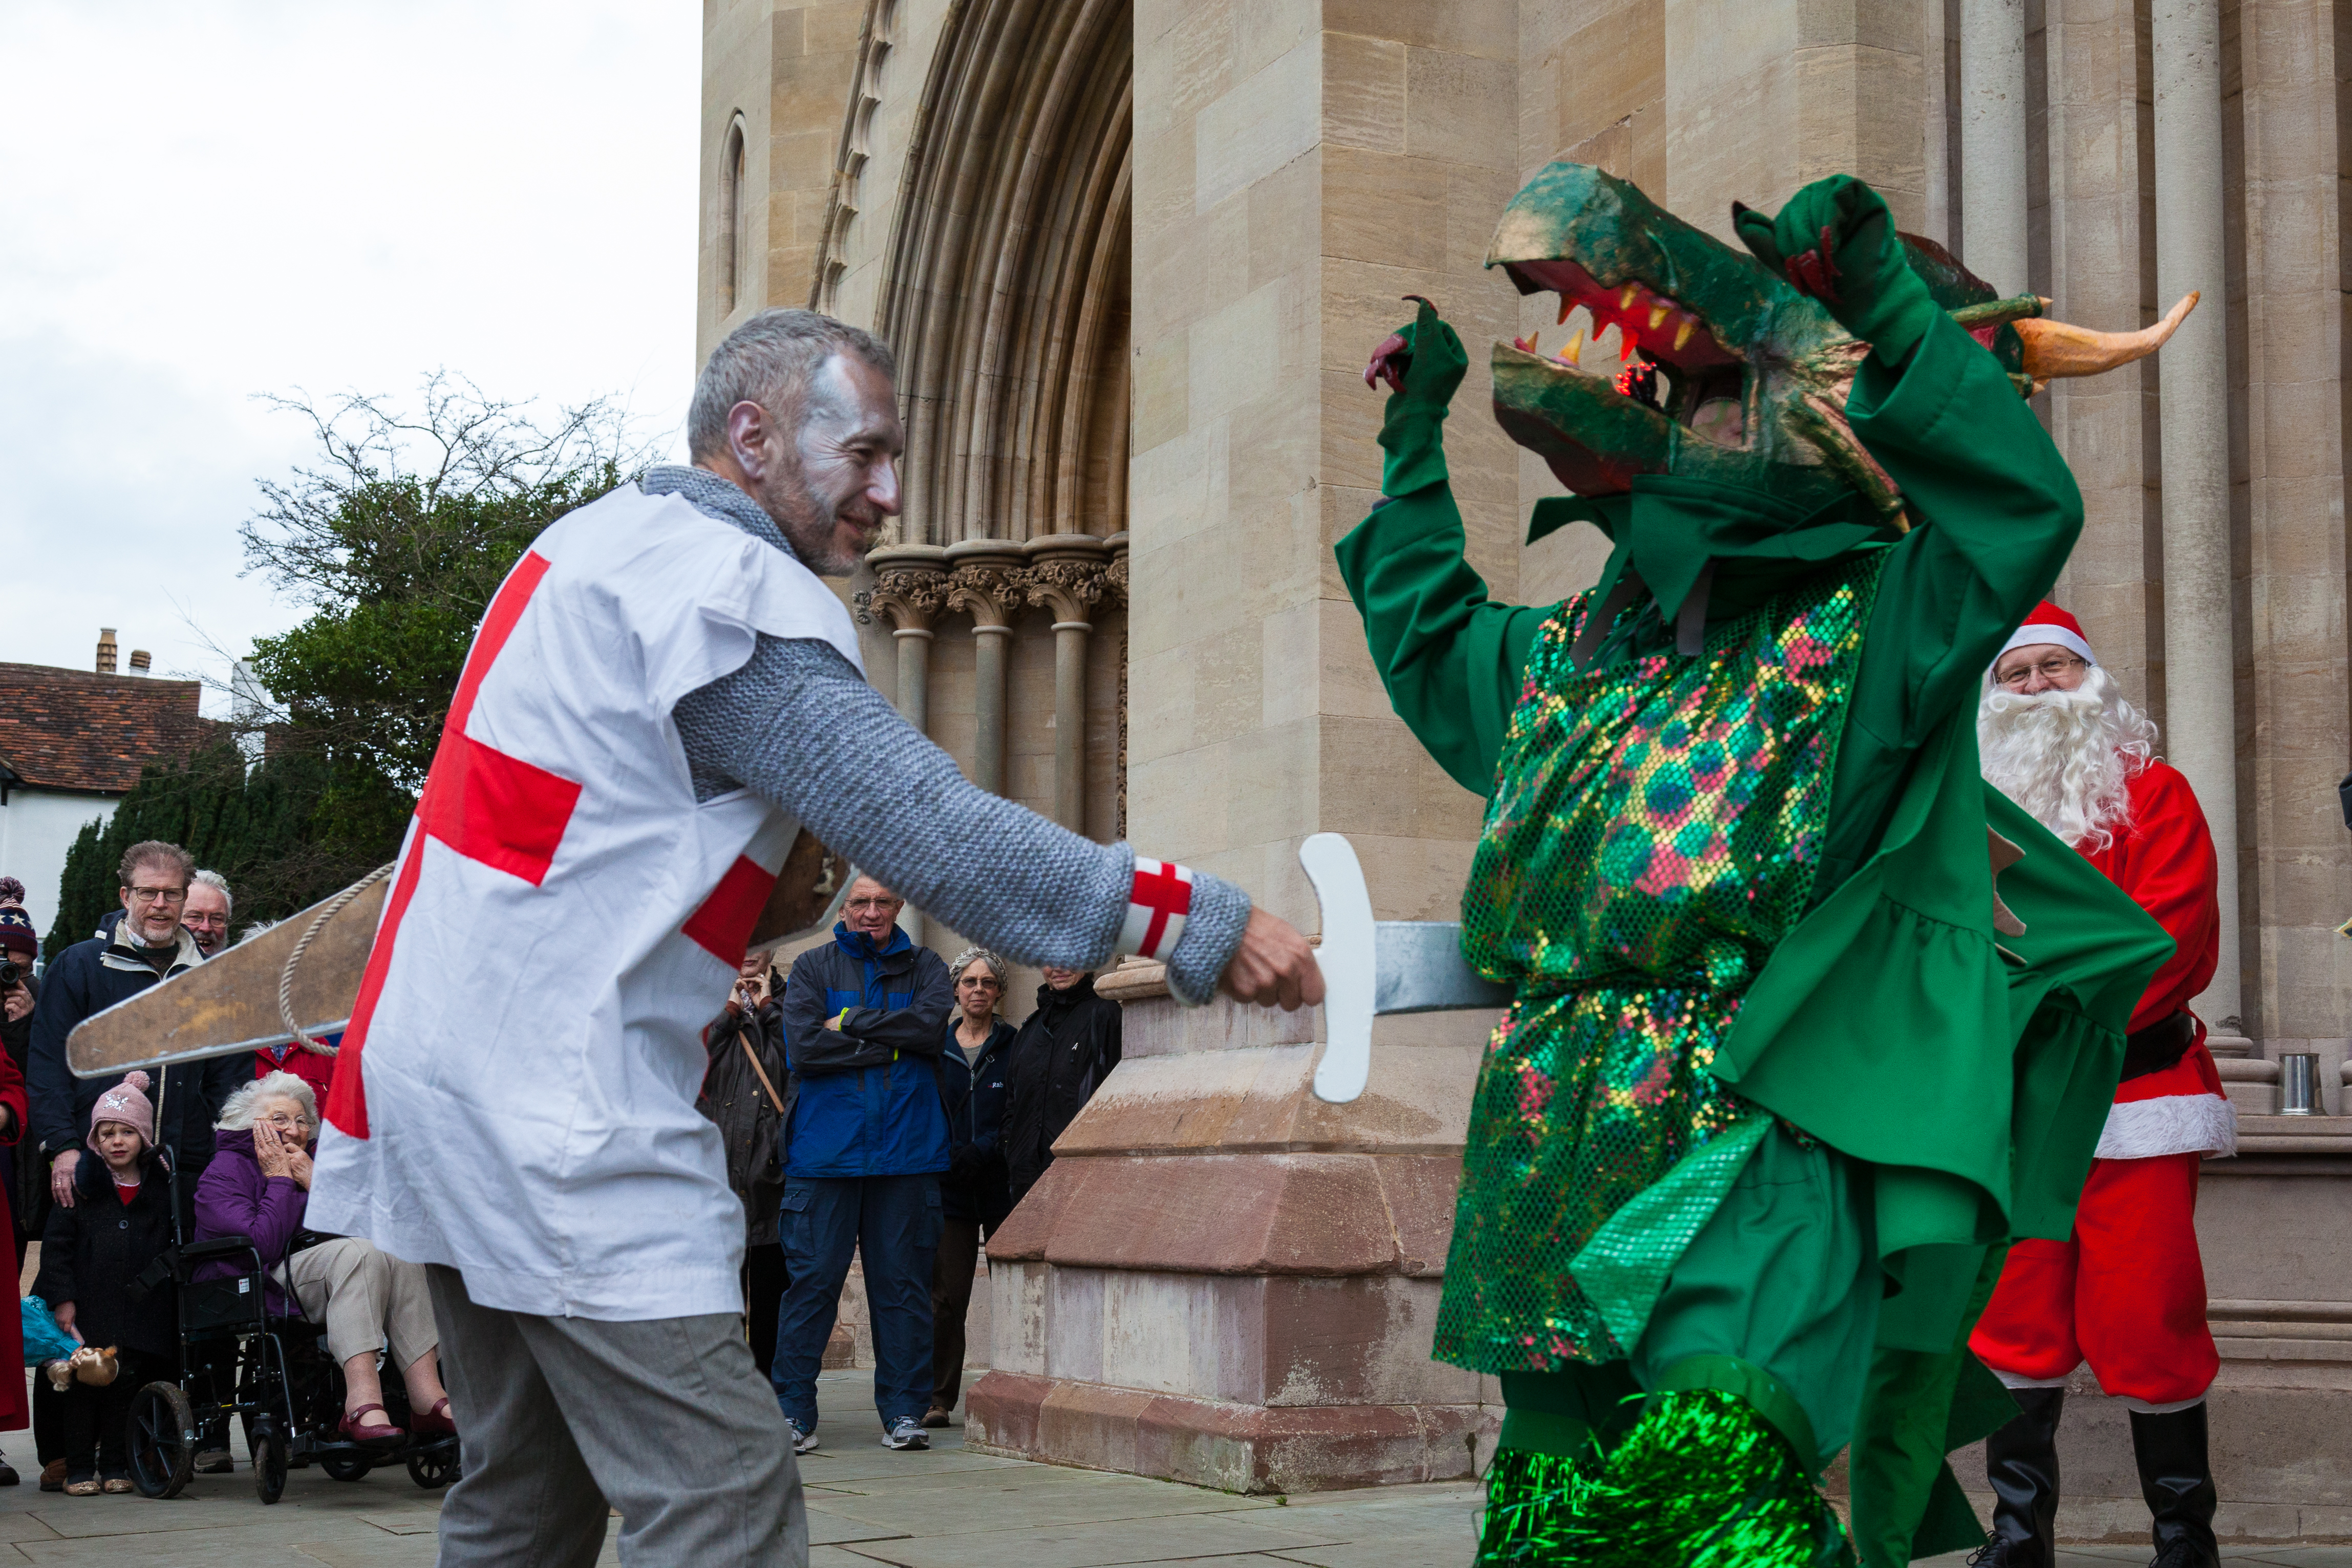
(2164, 859)
(2127, 1291)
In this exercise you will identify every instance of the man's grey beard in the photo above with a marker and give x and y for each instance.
(806, 525)
(2067, 757)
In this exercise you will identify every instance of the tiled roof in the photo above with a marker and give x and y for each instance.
(75, 730)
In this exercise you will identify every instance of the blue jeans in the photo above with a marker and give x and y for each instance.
(893, 1223)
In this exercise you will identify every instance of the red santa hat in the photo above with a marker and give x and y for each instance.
(2048, 623)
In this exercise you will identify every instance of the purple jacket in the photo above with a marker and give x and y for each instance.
(233, 1198)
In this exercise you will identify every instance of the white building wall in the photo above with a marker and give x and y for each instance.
(36, 828)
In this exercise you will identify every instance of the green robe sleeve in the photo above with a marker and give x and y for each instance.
(1450, 656)
(1996, 512)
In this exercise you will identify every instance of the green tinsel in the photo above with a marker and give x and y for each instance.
(1527, 1495)
(1702, 1481)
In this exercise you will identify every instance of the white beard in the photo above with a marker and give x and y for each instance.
(2066, 757)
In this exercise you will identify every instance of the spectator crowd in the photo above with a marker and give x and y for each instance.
(872, 1101)
(875, 1105)
(195, 1150)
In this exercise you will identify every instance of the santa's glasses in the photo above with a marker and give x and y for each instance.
(2053, 670)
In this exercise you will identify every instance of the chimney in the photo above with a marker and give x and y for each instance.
(105, 650)
(142, 661)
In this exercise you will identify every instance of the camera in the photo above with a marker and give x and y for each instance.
(12, 973)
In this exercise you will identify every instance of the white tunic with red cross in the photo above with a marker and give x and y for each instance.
(515, 1096)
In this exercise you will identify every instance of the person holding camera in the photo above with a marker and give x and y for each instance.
(747, 1092)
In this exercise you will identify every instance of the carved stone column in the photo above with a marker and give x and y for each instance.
(910, 588)
(1066, 576)
(987, 580)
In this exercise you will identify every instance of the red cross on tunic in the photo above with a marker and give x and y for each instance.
(483, 804)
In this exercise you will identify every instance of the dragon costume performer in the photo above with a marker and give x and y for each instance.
(1785, 1069)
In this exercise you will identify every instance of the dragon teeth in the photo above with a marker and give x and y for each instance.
(1682, 334)
(1657, 314)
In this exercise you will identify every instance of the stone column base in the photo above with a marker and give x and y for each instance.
(1232, 1448)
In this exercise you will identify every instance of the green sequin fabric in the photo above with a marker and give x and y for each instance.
(1652, 837)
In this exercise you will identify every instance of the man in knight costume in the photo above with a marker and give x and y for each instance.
(1785, 1068)
(2125, 1292)
(662, 696)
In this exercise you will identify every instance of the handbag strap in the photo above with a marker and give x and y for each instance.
(774, 1099)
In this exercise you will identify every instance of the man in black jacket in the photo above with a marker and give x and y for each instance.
(1063, 1053)
(149, 945)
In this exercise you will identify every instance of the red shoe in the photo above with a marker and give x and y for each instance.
(435, 1423)
(374, 1434)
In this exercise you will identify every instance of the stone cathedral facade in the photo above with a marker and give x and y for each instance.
(1132, 255)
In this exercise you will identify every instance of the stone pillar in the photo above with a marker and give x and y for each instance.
(987, 580)
(910, 586)
(1760, 100)
(1066, 576)
(2199, 656)
(2296, 727)
(2104, 424)
(1992, 141)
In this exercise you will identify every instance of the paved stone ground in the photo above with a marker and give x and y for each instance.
(944, 1508)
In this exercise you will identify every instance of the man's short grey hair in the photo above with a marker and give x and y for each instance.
(239, 1109)
(214, 879)
(155, 851)
(971, 956)
(767, 360)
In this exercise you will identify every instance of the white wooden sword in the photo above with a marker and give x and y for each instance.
(1372, 967)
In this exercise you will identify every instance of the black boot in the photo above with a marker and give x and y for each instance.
(2021, 1463)
(2178, 1482)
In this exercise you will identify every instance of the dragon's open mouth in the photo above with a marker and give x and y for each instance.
(1667, 357)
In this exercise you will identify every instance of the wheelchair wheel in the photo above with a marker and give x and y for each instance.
(434, 1466)
(346, 1466)
(161, 1437)
(269, 1468)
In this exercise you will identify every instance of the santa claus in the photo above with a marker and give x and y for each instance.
(2127, 1291)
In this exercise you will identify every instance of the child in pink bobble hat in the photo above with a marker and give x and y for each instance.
(91, 1252)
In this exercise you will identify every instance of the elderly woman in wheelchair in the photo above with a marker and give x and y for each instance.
(257, 1186)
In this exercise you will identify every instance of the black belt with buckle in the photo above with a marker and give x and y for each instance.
(2159, 1046)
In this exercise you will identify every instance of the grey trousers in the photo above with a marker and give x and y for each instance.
(667, 1419)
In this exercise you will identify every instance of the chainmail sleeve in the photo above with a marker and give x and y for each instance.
(797, 726)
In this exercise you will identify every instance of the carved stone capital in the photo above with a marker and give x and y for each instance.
(1066, 573)
(988, 580)
(1115, 575)
(910, 584)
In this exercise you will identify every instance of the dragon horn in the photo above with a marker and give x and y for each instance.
(2053, 349)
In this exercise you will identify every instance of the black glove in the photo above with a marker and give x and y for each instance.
(1835, 240)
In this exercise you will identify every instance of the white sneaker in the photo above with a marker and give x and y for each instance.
(907, 1432)
(802, 1442)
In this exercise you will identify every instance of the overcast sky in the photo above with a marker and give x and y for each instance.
(202, 203)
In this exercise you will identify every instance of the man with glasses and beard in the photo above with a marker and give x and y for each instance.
(150, 944)
(2127, 1291)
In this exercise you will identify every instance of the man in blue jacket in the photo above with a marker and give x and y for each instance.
(864, 1021)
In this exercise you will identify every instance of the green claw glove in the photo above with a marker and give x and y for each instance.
(1835, 240)
(1423, 364)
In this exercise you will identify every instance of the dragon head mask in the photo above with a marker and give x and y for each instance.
(1729, 373)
